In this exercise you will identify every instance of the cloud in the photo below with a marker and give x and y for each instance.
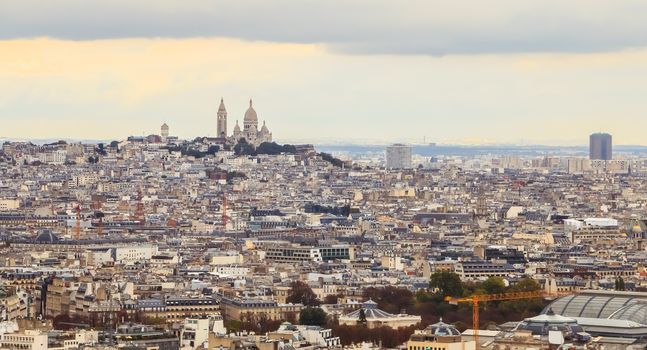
(424, 27)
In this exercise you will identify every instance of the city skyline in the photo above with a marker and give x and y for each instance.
(407, 73)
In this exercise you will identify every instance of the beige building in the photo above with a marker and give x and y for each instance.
(12, 338)
(239, 309)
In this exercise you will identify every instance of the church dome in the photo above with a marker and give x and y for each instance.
(264, 129)
(250, 116)
(237, 128)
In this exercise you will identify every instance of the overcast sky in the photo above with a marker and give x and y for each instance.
(497, 71)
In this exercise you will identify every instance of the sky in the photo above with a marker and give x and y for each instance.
(330, 71)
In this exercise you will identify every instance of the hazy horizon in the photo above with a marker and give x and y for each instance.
(463, 73)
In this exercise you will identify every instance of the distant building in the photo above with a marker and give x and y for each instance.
(600, 147)
(222, 120)
(250, 131)
(398, 156)
(164, 132)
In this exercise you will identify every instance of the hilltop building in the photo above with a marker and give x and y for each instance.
(222, 119)
(250, 131)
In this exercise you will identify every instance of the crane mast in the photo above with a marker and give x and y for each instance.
(476, 298)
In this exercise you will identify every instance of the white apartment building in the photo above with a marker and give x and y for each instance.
(133, 254)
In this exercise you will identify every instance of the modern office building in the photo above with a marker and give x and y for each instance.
(295, 253)
(398, 156)
(600, 147)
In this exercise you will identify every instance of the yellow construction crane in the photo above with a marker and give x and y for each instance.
(476, 298)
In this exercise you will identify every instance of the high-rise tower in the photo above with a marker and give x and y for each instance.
(164, 130)
(222, 120)
(600, 147)
(398, 156)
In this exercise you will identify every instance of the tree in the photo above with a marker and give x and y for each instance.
(244, 148)
(493, 285)
(101, 149)
(301, 293)
(446, 283)
(525, 285)
(273, 148)
(312, 316)
(620, 284)
(235, 174)
(332, 160)
(362, 316)
(331, 299)
(390, 299)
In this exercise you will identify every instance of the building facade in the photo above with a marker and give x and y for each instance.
(600, 147)
(250, 132)
(398, 156)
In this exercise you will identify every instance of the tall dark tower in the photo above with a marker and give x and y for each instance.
(222, 120)
(600, 147)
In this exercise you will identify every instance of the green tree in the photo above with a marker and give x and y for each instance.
(362, 316)
(620, 284)
(525, 285)
(493, 285)
(244, 148)
(446, 283)
(312, 316)
(332, 160)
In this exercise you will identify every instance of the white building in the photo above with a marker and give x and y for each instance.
(250, 131)
(53, 157)
(195, 333)
(133, 254)
(577, 224)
